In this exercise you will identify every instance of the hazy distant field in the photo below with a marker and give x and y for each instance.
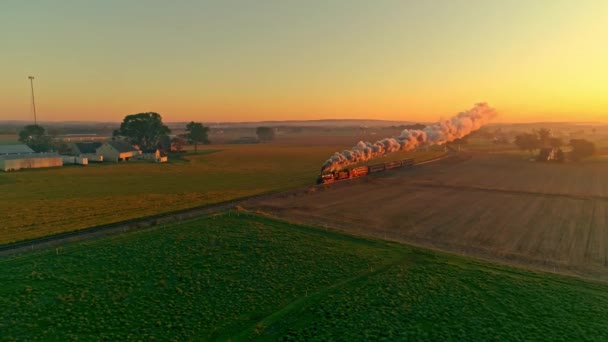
(40, 202)
(252, 277)
(498, 206)
(8, 139)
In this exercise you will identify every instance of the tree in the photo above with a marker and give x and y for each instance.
(527, 142)
(581, 148)
(559, 155)
(265, 133)
(35, 137)
(543, 136)
(60, 146)
(143, 129)
(164, 143)
(556, 142)
(197, 134)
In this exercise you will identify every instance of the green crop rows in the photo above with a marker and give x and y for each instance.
(229, 277)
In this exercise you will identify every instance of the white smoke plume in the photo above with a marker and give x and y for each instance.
(436, 134)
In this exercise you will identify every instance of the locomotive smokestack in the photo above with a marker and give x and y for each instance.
(438, 134)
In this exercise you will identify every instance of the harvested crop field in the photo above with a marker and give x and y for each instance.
(495, 206)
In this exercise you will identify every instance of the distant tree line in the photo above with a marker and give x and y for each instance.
(265, 133)
(145, 130)
(543, 139)
(37, 138)
(581, 148)
(417, 126)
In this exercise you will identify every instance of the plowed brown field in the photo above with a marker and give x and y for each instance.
(495, 206)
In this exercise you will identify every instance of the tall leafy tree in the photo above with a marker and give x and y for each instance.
(556, 142)
(527, 141)
(35, 137)
(581, 148)
(543, 136)
(197, 134)
(165, 143)
(143, 129)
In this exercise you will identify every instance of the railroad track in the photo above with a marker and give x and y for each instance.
(57, 240)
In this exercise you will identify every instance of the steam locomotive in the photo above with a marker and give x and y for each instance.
(330, 177)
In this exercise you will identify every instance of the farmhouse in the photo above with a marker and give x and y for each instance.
(15, 157)
(117, 151)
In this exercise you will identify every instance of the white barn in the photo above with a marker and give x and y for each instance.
(16, 157)
(116, 151)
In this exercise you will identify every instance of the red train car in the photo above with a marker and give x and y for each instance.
(358, 171)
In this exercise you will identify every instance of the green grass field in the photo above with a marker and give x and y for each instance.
(40, 202)
(228, 277)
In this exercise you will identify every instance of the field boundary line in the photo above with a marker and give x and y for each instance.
(513, 192)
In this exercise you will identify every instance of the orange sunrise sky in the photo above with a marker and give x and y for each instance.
(298, 60)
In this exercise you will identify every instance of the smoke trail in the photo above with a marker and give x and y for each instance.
(437, 134)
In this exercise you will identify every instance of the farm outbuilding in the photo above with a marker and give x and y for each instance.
(86, 150)
(15, 157)
(117, 151)
(75, 160)
(29, 161)
(154, 155)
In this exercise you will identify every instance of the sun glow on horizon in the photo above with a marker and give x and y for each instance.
(274, 60)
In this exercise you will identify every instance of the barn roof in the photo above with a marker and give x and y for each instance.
(87, 147)
(121, 146)
(15, 149)
(29, 156)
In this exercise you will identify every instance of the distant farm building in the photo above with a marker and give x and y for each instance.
(86, 150)
(117, 151)
(154, 155)
(75, 160)
(82, 137)
(16, 157)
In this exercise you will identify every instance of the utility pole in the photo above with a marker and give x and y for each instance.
(33, 102)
